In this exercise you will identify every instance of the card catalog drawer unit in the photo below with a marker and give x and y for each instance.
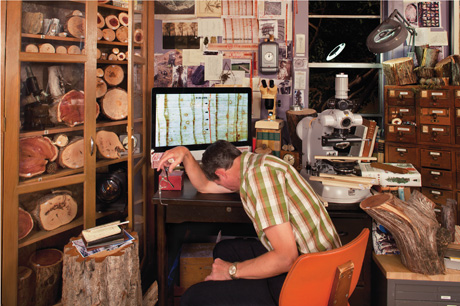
(438, 196)
(403, 154)
(401, 97)
(435, 134)
(436, 116)
(401, 133)
(434, 98)
(405, 113)
(437, 178)
(440, 159)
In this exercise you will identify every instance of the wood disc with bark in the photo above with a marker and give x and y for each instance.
(114, 104)
(73, 49)
(108, 34)
(122, 34)
(25, 223)
(46, 48)
(54, 210)
(101, 87)
(47, 265)
(138, 36)
(106, 278)
(34, 154)
(61, 50)
(72, 156)
(76, 26)
(114, 75)
(100, 34)
(70, 109)
(112, 22)
(123, 18)
(100, 21)
(413, 224)
(399, 71)
(108, 144)
(31, 48)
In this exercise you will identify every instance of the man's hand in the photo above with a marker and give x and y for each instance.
(172, 158)
(219, 271)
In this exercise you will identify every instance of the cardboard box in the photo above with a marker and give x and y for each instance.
(388, 178)
(195, 263)
(176, 178)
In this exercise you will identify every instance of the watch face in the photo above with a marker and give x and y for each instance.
(269, 56)
(289, 158)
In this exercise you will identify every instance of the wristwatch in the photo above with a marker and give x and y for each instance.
(232, 271)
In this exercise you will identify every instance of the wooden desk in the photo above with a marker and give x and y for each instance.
(393, 284)
(188, 205)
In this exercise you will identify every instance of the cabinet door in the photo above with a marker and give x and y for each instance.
(50, 118)
(137, 122)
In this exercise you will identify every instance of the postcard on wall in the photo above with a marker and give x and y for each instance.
(238, 8)
(179, 9)
(271, 9)
(180, 35)
(210, 27)
(195, 77)
(300, 79)
(242, 65)
(267, 27)
(163, 67)
(213, 67)
(209, 8)
(429, 14)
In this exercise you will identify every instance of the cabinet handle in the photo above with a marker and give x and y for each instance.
(92, 146)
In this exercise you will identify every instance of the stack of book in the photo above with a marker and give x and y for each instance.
(452, 257)
(104, 235)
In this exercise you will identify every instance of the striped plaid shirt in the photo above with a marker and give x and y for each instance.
(273, 192)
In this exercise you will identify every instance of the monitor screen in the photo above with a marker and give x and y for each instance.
(196, 117)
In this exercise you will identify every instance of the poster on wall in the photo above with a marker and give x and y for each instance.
(424, 14)
(209, 8)
(180, 35)
(178, 9)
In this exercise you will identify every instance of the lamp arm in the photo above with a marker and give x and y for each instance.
(396, 14)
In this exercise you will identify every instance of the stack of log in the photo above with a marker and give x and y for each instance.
(75, 25)
(110, 28)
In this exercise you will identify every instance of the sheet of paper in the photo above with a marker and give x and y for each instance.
(256, 104)
(210, 27)
(300, 79)
(212, 67)
(427, 37)
(192, 57)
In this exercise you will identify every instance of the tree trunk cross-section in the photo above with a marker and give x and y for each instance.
(106, 278)
(399, 71)
(108, 144)
(54, 210)
(34, 154)
(413, 224)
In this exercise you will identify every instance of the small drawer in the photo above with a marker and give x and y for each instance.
(401, 133)
(438, 196)
(403, 154)
(457, 97)
(435, 116)
(434, 98)
(437, 178)
(435, 133)
(401, 97)
(405, 113)
(436, 159)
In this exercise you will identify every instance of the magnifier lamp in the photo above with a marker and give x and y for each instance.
(391, 33)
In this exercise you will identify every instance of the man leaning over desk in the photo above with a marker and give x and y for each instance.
(287, 214)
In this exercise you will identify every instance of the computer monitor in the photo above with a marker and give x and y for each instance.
(198, 116)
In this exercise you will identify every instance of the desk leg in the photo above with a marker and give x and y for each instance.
(162, 256)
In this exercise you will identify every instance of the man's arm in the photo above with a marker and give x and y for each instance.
(270, 264)
(172, 158)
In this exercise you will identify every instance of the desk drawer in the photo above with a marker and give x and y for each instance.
(401, 97)
(419, 293)
(403, 154)
(435, 133)
(434, 98)
(438, 196)
(188, 213)
(401, 133)
(405, 113)
(436, 116)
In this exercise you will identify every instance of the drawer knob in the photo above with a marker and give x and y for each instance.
(435, 158)
(401, 154)
(229, 209)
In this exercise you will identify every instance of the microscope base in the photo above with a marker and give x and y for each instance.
(270, 124)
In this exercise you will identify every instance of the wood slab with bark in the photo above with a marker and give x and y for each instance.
(122, 34)
(114, 104)
(31, 48)
(418, 235)
(34, 154)
(32, 22)
(25, 223)
(106, 278)
(54, 210)
(108, 34)
(72, 156)
(114, 75)
(70, 109)
(108, 144)
(123, 18)
(399, 71)
(76, 26)
(101, 87)
(100, 21)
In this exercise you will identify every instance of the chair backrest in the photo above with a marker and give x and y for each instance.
(311, 278)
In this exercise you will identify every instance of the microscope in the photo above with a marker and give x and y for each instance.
(326, 143)
(269, 92)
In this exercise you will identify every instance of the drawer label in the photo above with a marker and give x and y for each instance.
(425, 129)
(437, 111)
(403, 110)
(424, 94)
(435, 172)
(401, 150)
(437, 94)
(445, 297)
(435, 192)
(435, 154)
(403, 93)
(438, 129)
(391, 93)
(403, 129)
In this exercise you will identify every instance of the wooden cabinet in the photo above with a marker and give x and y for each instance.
(428, 140)
(35, 84)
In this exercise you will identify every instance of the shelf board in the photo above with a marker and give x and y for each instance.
(107, 62)
(112, 7)
(49, 37)
(52, 57)
(65, 129)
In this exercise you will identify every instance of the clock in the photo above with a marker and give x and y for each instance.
(136, 143)
(291, 157)
(268, 57)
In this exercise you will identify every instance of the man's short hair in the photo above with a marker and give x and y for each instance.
(220, 154)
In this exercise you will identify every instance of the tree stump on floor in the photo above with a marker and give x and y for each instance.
(106, 278)
(413, 224)
(47, 265)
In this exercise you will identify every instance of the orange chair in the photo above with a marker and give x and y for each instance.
(325, 278)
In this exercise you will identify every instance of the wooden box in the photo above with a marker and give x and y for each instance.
(195, 263)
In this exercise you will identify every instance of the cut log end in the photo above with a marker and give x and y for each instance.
(25, 223)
